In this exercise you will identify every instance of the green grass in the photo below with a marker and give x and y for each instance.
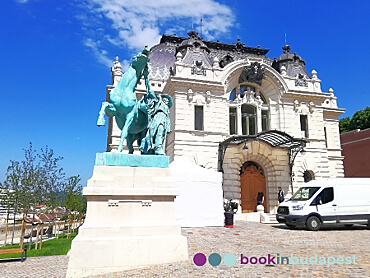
(50, 247)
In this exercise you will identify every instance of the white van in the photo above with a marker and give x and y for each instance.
(343, 201)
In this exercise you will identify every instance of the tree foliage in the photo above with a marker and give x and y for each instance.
(360, 120)
(73, 199)
(39, 180)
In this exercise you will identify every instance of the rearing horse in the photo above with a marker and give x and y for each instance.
(132, 121)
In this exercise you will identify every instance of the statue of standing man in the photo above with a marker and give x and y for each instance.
(159, 125)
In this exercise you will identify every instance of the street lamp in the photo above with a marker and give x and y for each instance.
(292, 155)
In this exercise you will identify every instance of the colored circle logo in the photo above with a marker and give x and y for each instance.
(214, 259)
(199, 259)
(229, 259)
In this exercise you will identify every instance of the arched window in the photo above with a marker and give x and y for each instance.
(248, 119)
(252, 116)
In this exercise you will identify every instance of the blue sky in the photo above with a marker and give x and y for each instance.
(55, 58)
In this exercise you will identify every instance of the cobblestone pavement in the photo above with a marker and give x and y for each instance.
(247, 238)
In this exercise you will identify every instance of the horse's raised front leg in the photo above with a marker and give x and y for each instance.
(108, 108)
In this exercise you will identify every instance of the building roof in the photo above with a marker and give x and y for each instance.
(163, 55)
(292, 62)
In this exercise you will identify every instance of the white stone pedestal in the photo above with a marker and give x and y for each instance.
(129, 223)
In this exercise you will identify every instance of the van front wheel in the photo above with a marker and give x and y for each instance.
(313, 223)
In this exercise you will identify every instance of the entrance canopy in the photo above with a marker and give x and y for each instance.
(274, 138)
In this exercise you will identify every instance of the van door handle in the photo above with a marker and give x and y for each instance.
(334, 205)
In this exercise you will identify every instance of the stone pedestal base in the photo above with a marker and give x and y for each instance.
(129, 222)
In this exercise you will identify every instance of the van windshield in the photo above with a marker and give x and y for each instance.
(304, 193)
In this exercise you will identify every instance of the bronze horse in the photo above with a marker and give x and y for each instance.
(131, 119)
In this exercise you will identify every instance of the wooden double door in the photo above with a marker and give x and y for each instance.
(252, 181)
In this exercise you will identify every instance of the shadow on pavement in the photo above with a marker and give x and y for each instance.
(324, 228)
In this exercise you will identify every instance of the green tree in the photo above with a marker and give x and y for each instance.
(37, 179)
(22, 177)
(73, 198)
(344, 124)
(360, 120)
(52, 178)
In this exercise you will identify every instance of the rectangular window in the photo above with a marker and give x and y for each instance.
(248, 119)
(249, 125)
(252, 125)
(198, 117)
(232, 120)
(304, 126)
(265, 125)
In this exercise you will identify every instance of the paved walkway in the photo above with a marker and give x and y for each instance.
(247, 238)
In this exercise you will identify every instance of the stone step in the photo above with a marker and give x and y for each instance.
(268, 218)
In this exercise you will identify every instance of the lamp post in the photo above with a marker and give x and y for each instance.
(292, 155)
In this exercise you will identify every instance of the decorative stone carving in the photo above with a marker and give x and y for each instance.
(303, 107)
(314, 74)
(190, 95)
(208, 97)
(311, 106)
(283, 70)
(296, 105)
(198, 68)
(178, 57)
(116, 71)
(226, 60)
(300, 80)
(216, 62)
(259, 101)
(249, 95)
(253, 74)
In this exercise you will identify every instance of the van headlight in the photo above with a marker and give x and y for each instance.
(298, 207)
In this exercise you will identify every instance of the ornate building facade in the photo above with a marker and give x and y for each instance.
(263, 122)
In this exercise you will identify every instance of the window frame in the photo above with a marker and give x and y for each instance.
(235, 116)
(304, 125)
(198, 117)
(247, 119)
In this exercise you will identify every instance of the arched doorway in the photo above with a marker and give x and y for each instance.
(252, 179)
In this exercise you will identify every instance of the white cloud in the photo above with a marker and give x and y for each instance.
(22, 1)
(132, 24)
(100, 54)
